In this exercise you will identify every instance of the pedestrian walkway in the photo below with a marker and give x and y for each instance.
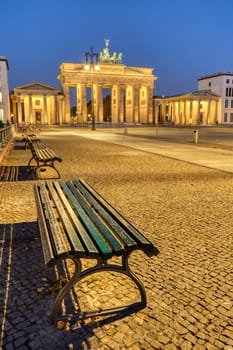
(216, 158)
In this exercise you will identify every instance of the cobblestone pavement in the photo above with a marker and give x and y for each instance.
(185, 209)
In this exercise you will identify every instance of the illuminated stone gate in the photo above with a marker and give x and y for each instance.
(131, 88)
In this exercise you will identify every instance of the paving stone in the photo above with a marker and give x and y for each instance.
(184, 208)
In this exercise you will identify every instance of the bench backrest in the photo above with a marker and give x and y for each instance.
(75, 220)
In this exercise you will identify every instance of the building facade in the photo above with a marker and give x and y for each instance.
(195, 108)
(37, 103)
(221, 84)
(131, 91)
(4, 91)
(131, 88)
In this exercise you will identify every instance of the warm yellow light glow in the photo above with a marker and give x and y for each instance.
(88, 67)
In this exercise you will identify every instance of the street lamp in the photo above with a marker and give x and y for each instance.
(92, 66)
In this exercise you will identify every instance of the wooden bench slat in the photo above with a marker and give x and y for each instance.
(108, 215)
(141, 240)
(89, 247)
(104, 250)
(49, 257)
(60, 246)
(76, 245)
(116, 246)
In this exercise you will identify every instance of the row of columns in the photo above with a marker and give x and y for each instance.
(128, 103)
(51, 109)
(188, 111)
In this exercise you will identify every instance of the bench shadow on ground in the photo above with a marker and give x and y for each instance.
(11, 173)
(23, 275)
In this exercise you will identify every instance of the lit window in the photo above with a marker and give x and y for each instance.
(37, 102)
(0, 96)
(1, 115)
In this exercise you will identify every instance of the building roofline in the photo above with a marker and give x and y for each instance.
(215, 75)
(193, 93)
(2, 58)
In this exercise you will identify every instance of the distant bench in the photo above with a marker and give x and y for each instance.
(44, 157)
(76, 222)
(30, 138)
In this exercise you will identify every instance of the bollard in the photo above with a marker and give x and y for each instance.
(195, 136)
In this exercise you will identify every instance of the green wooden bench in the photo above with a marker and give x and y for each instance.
(76, 222)
(44, 157)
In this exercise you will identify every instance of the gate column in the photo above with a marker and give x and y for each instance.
(136, 104)
(129, 103)
(115, 103)
(99, 104)
(66, 89)
(150, 105)
(81, 98)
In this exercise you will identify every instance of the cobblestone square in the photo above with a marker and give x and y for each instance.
(185, 209)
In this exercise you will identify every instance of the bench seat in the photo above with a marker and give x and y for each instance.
(76, 222)
(44, 157)
(30, 138)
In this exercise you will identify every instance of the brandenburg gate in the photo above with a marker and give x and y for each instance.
(131, 88)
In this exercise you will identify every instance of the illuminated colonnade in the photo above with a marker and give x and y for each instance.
(200, 107)
(37, 103)
(131, 91)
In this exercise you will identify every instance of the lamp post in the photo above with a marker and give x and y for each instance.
(92, 66)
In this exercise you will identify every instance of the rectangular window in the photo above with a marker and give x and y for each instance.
(1, 115)
(226, 103)
(231, 117)
(231, 103)
(225, 117)
(0, 97)
(210, 83)
(227, 92)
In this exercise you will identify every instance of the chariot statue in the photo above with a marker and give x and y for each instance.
(105, 56)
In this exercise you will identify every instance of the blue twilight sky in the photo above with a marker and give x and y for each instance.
(180, 39)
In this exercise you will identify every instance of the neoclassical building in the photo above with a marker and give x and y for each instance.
(131, 88)
(37, 103)
(195, 108)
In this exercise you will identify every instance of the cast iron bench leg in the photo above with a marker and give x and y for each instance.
(101, 266)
